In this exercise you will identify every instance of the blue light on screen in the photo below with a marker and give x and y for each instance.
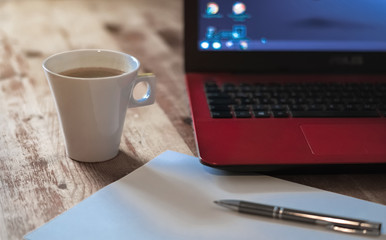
(343, 25)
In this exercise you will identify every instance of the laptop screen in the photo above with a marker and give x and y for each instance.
(292, 25)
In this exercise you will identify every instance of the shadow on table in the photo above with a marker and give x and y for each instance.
(114, 169)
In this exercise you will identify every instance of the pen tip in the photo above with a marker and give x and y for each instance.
(231, 204)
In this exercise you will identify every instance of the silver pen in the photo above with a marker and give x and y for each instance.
(341, 224)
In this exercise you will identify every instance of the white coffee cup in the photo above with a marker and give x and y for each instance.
(92, 110)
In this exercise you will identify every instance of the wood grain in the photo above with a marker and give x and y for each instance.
(37, 180)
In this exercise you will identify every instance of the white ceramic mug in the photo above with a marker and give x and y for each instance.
(92, 110)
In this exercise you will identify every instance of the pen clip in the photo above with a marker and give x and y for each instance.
(345, 229)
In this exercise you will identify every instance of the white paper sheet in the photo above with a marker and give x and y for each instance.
(171, 197)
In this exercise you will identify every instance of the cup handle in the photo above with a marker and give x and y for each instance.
(149, 97)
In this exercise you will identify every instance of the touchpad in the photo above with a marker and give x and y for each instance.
(345, 139)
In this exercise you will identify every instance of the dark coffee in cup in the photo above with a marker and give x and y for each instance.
(92, 72)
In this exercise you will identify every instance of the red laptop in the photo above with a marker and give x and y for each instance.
(286, 84)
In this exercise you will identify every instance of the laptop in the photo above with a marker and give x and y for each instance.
(277, 85)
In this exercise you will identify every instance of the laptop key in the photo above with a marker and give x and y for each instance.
(221, 101)
(351, 107)
(241, 108)
(246, 101)
(260, 107)
(295, 107)
(219, 108)
(315, 107)
(246, 88)
(221, 114)
(228, 87)
(261, 114)
(280, 114)
(279, 107)
(242, 95)
(217, 95)
(242, 114)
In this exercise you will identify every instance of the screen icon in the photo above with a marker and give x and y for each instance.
(212, 8)
(239, 13)
(239, 31)
(239, 8)
(216, 45)
(229, 44)
(243, 45)
(204, 45)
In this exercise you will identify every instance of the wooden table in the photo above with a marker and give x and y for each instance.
(37, 180)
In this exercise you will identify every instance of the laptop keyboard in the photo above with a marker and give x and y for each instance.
(297, 100)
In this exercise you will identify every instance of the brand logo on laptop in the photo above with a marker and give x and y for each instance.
(347, 60)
